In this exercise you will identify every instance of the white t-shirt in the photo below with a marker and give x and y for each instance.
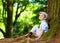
(36, 30)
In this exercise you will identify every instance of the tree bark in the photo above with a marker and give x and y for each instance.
(53, 11)
(9, 19)
(53, 18)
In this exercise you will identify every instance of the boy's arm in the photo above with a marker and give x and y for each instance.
(41, 33)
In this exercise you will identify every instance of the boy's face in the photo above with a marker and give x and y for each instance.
(42, 17)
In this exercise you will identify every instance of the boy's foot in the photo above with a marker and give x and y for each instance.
(29, 34)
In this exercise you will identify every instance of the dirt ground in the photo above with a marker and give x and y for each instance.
(56, 39)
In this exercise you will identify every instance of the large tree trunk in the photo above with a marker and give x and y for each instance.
(53, 18)
(9, 19)
(53, 11)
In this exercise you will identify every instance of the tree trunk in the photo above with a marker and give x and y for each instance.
(53, 18)
(53, 10)
(9, 19)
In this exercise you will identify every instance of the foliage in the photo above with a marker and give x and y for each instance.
(28, 15)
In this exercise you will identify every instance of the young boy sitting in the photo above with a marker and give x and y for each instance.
(38, 32)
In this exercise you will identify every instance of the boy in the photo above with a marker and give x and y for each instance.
(38, 32)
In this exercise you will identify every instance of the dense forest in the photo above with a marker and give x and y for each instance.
(17, 17)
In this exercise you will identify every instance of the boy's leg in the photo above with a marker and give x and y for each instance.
(32, 32)
(34, 29)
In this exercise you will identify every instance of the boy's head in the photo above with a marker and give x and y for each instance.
(43, 15)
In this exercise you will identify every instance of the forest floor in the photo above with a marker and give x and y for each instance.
(56, 39)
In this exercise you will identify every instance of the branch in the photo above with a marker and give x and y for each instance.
(4, 11)
(2, 32)
(17, 15)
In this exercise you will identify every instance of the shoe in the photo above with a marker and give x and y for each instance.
(29, 34)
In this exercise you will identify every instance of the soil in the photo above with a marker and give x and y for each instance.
(23, 39)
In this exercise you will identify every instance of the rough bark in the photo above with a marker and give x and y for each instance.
(9, 19)
(53, 18)
(53, 12)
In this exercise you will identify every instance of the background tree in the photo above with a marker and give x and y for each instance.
(9, 18)
(22, 5)
(7, 14)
